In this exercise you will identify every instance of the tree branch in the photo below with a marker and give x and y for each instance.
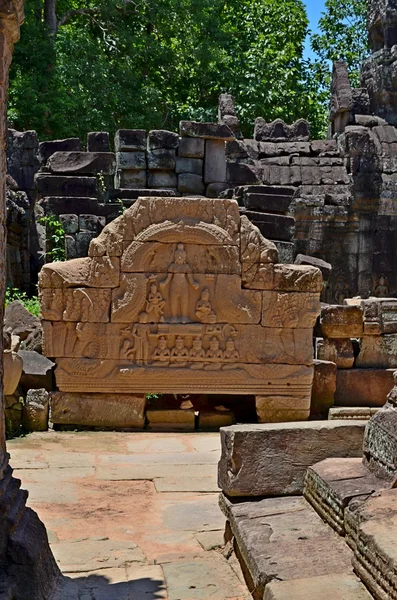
(72, 13)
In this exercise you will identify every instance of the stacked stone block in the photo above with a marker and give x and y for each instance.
(130, 147)
(161, 154)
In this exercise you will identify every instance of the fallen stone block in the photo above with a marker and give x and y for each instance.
(19, 321)
(378, 352)
(325, 267)
(47, 149)
(363, 387)
(338, 351)
(170, 419)
(271, 459)
(36, 410)
(37, 371)
(209, 131)
(13, 367)
(82, 163)
(118, 411)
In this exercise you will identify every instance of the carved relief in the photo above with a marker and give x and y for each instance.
(161, 304)
(51, 304)
(87, 305)
(382, 288)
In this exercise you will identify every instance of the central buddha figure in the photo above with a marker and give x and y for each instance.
(180, 280)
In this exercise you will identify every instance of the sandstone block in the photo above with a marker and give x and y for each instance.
(36, 410)
(214, 190)
(378, 352)
(131, 161)
(46, 149)
(188, 183)
(213, 420)
(98, 141)
(324, 387)
(363, 387)
(271, 459)
(19, 321)
(37, 371)
(338, 351)
(114, 411)
(132, 179)
(59, 205)
(209, 131)
(83, 239)
(70, 223)
(274, 227)
(341, 321)
(287, 278)
(289, 309)
(325, 267)
(267, 202)
(160, 138)
(327, 587)
(59, 185)
(82, 163)
(97, 272)
(91, 223)
(173, 419)
(241, 173)
(130, 139)
(86, 305)
(161, 159)
(380, 315)
(358, 413)
(70, 247)
(162, 179)
(215, 161)
(191, 147)
(189, 165)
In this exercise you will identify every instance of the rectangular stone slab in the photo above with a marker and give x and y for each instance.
(284, 539)
(271, 459)
(327, 587)
(123, 411)
(107, 376)
(363, 387)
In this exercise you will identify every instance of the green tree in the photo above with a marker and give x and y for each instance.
(94, 64)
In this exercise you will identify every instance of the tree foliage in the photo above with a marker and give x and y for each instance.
(93, 64)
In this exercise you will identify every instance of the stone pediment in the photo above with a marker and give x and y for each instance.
(181, 295)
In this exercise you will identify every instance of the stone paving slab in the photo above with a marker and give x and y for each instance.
(130, 516)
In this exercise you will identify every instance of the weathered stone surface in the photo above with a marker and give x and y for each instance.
(209, 131)
(82, 163)
(213, 419)
(131, 179)
(325, 267)
(19, 321)
(98, 141)
(274, 227)
(283, 408)
(70, 223)
(37, 371)
(160, 138)
(162, 179)
(271, 459)
(363, 387)
(324, 387)
(282, 539)
(327, 587)
(215, 161)
(172, 419)
(380, 315)
(188, 183)
(121, 411)
(131, 161)
(288, 309)
(191, 147)
(36, 410)
(338, 351)
(161, 159)
(341, 321)
(97, 272)
(60, 185)
(189, 165)
(130, 139)
(47, 149)
(378, 352)
(287, 278)
(13, 366)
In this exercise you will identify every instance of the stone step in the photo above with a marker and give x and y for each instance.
(332, 483)
(328, 587)
(284, 540)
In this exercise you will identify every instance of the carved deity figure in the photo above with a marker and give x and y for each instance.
(214, 352)
(197, 352)
(180, 280)
(231, 353)
(382, 289)
(78, 306)
(155, 305)
(141, 334)
(162, 354)
(204, 311)
(179, 352)
(52, 304)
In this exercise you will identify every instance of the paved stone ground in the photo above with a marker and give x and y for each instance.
(131, 516)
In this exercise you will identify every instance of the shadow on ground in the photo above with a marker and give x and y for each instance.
(100, 587)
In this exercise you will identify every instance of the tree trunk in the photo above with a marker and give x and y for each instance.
(50, 15)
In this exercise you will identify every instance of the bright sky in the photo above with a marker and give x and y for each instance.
(314, 9)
